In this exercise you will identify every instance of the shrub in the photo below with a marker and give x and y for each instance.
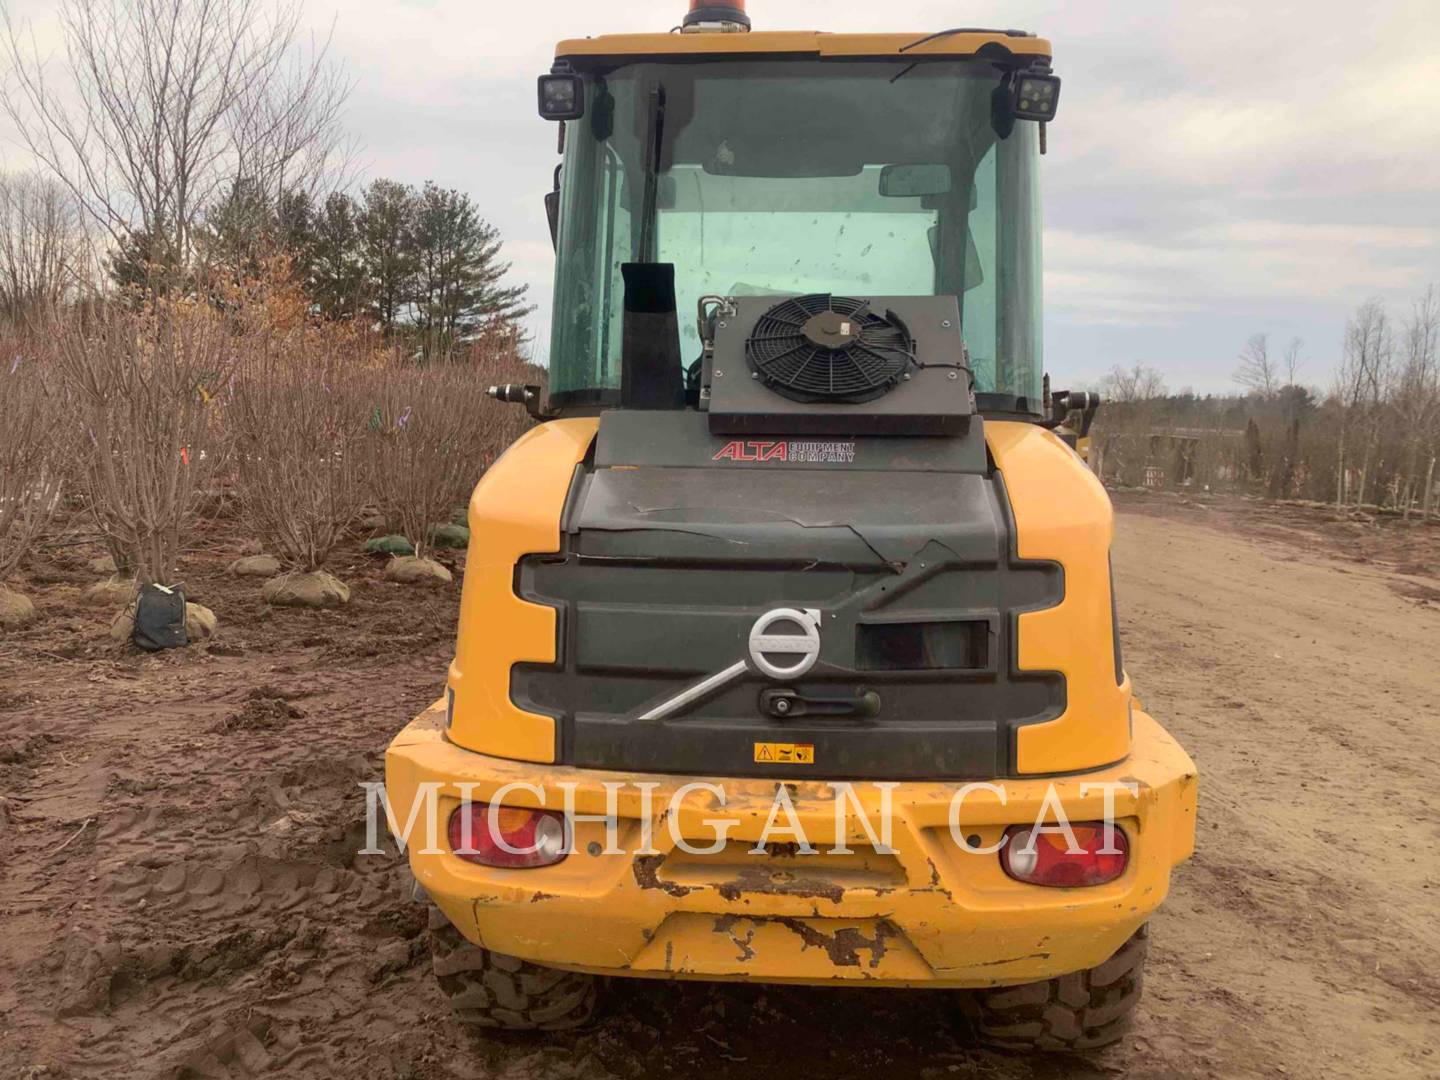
(298, 420)
(434, 431)
(142, 380)
(31, 458)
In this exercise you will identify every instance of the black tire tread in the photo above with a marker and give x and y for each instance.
(490, 989)
(1080, 1011)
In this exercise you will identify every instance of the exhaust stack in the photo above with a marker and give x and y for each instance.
(716, 17)
(650, 375)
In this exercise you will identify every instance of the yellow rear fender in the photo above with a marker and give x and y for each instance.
(1063, 514)
(515, 511)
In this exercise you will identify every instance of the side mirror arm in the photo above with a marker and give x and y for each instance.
(1064, 402)
(522, 394)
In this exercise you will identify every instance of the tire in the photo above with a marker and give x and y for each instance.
(490, 989)
(1080, 1011)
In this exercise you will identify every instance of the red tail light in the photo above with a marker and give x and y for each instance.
(508, 837)
(1047, 858)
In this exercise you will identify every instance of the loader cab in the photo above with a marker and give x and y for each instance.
(779, 165)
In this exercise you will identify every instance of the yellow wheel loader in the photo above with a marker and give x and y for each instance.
(787, 647)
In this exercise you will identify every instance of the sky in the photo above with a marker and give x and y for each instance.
(1216, 169)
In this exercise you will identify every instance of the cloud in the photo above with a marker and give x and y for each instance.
(1101, 277)
(1216, 168)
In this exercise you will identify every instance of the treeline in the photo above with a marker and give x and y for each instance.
(185, 148)
(1370, 437)
(420, 263)
(194, 311)
(417, 264)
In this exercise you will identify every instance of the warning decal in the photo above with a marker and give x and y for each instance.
(785, 753)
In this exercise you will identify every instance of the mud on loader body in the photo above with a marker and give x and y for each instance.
(787, 640)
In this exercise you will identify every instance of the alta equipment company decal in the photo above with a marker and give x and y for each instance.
(803, 451)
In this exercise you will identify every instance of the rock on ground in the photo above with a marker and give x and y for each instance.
(313, 589)
(122, 627)
(112, 592)
(102, 564)
(394, 544)
(413, 571)
(200, 622)
(261, 566)
(447, 534)
(15, 609)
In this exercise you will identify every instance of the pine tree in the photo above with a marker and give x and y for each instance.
(238, 233)
(386, 224)
(458, 291)
(295, 232)
(337, 268)
(145, 262)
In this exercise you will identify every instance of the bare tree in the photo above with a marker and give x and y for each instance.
(1125, 435)
(1293, 363)
(164, 104)
(1417, 402)
(1360, 384)
(1374, 439)
(42, 244)
(143, 378)
(1139, 383)
(31, 476)
(299, 416)
(1257, 371)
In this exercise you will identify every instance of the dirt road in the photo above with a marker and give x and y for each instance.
(181, 893)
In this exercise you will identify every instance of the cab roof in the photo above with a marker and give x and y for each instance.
(992, 44)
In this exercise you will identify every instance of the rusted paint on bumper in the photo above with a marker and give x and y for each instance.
(931, 914)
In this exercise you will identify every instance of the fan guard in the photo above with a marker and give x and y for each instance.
(829, 348)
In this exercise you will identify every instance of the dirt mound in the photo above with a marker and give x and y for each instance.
(16, 748)
(200, 622)
(261, 714)
(416, 571)
(112, 592)
(14, 699)
(255, 566)
(16, 609)
(316, 589)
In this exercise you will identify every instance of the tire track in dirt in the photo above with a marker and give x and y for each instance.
(1300, 686)
(214, 917)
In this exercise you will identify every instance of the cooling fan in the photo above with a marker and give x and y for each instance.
(829, 348)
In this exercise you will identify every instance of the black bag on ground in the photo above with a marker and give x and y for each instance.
(160, 618)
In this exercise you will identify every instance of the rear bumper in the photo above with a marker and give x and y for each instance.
(931, 914)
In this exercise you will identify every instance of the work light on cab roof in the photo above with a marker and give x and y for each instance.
(1025, 93)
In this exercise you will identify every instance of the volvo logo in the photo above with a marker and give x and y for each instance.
(804, 646)
(784, 643)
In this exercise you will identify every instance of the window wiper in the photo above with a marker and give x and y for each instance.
(944, 34)
(961, 30)
(655, 133)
